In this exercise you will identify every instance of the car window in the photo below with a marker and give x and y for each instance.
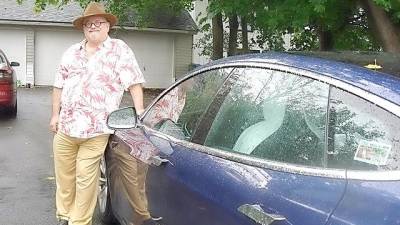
(362, 136)
(179, 111)
(273, 115)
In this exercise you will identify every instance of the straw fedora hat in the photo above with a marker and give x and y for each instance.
(94, 9)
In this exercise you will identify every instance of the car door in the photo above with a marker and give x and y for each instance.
(131, 151)
(364, 139)
(243, 146)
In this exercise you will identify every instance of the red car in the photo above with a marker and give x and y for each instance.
(8, 86)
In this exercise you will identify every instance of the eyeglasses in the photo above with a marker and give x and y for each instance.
(95, 23)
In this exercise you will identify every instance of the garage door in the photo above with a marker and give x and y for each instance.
(154, 52)
(49, 47)
(12, 42)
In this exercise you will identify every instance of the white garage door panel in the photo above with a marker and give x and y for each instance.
(12, 42)
(154, 53)
(49, 47)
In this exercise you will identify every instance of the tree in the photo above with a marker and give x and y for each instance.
(332, 24)
(231, 10)
(332, 20)
(383, 18)
(245, 37)
(326, 22)
(323, 17)
(218, 37)
(233, 34)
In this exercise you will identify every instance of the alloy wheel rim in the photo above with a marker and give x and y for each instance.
(103, 186)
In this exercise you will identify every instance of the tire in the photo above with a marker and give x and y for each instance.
(104, 199)
(12, 111)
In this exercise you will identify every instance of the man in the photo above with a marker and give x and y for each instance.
(88, 86)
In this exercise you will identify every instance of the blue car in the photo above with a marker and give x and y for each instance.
(271, 138)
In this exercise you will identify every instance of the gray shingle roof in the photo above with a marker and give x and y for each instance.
(11, 12)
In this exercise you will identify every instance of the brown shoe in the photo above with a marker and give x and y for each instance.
(62, 222)
(150, 222)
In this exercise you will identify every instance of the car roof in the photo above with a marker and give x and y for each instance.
(381, 84)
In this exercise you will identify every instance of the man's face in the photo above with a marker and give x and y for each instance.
(96, 29)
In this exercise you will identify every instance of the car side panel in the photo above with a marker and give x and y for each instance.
(369, 203)
(6, 94)
(196, 188)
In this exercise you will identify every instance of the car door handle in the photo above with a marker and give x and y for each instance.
(158, 161)
(256, 213)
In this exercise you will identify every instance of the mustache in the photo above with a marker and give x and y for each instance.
(94, 29)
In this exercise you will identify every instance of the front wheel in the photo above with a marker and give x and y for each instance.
(12, 111)
(104, 198)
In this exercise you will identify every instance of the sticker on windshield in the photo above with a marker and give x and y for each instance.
(372, 152)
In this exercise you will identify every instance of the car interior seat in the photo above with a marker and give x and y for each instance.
(273, 112)
(313, 125)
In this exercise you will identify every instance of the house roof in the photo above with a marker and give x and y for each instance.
(13, 13)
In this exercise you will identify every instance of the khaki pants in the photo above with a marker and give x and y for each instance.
(76, 164)
(131, 174)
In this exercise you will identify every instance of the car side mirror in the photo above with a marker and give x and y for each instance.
(14, 64)
(124, 118)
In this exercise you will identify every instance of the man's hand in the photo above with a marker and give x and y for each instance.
(54, 124)
(139, 112)
(55, 109)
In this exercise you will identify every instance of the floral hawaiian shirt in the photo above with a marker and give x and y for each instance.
(92, 88)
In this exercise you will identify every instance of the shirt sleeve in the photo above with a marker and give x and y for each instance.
(62, 72)
(128, 68)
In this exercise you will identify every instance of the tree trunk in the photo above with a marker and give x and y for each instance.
(233, 33)
(218, 37)
(245, 37)
(325, 39)
(382, 27)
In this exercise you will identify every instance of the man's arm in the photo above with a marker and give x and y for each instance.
(136, 91)
(56, 102)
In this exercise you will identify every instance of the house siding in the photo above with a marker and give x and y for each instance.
(183, 54)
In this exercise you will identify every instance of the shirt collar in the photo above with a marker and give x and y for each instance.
(105, 44)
